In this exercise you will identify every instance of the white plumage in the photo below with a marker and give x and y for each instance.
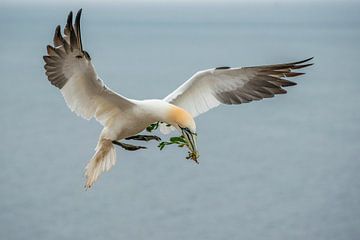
(69, 68)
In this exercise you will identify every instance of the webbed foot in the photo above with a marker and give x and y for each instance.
(144, 138)
(128, 147)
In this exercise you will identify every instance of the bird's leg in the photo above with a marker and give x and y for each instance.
(128, 147)
(144, 138)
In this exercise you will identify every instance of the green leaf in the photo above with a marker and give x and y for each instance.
(178, 139)
(163, 144)
(152, 127)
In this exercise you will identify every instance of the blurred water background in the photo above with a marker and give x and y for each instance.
(281, 168)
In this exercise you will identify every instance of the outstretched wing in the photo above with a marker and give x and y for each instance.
(209, 88)
(69, 68)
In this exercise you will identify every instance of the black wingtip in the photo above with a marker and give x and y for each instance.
(309, 59)
(78, 15)
(69, 19)
(302, 66)
(58, 32)
(222, 68)
(77, 28)
(77, 19)
(57, 35)
(49, 48)
(303, 61)
(57, 29)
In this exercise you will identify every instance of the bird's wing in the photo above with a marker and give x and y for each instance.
(209, 88)
(69, 68)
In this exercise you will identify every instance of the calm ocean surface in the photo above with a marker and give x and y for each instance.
(281, 168)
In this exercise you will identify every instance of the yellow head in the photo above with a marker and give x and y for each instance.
(183, 119)
(185, 124)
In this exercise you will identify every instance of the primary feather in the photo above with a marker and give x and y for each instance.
(210, 88)
(69, 68)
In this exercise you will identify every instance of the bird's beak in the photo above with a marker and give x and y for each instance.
(190, 138)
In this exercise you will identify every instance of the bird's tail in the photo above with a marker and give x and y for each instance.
(103, 159)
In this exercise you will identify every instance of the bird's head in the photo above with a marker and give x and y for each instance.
(185, 124)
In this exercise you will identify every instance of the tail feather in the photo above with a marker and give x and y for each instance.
(103, 159)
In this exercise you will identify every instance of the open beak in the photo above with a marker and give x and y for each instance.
(190, 138)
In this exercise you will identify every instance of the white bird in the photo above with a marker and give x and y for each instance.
(69, 68)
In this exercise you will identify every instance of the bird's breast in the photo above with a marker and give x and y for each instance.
(130, 123)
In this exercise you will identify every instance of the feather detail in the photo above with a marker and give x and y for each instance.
(210, 88)
(103, 160)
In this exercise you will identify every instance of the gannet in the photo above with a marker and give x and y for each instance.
(69, 68)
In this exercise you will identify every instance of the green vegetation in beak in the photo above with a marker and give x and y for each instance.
(190, 139)
(187, 139)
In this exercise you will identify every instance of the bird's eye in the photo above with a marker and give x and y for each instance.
(78, 56)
